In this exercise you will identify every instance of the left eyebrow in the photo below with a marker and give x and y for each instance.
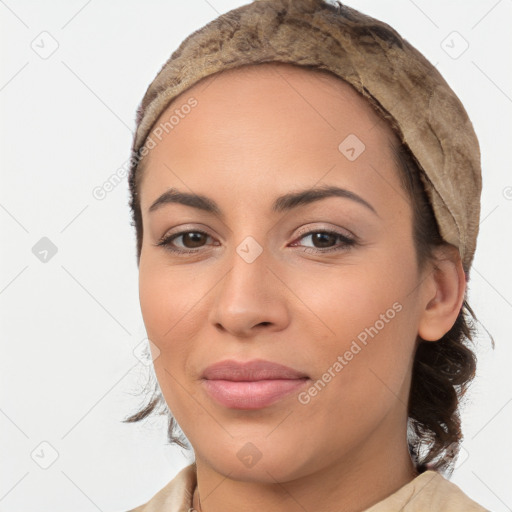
(285, 202)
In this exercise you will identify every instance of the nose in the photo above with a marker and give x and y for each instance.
(251, 298)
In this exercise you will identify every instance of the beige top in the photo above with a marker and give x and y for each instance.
(429, 491)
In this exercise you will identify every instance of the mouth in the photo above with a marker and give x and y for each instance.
(251, 394)
(251, 385)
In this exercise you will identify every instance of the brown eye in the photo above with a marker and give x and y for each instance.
(191, 241)
(322, 240)
(325, 241)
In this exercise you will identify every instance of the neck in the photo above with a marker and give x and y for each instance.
(362, 478)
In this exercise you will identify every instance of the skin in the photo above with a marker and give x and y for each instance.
(256, 134)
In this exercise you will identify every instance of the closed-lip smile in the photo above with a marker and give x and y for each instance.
(250, 385)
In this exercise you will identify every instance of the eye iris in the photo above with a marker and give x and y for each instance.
(322, 238)
(195, 237)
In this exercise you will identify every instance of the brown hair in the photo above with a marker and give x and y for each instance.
(442, 370)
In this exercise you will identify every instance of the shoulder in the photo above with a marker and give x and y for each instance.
(175, 496)
(444, 495)
(429, 491)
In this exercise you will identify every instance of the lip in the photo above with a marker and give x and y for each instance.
(256, 369)
(250, 385)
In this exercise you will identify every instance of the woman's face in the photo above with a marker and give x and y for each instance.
(341, 308)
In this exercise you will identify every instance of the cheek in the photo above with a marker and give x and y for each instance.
(167, 306)
(361, 371)
(168, 298)
(366, 325)
(172, 300)
(343, 302)
(155, 301)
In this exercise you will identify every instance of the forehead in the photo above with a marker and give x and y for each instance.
(267, 124)
(310, 94)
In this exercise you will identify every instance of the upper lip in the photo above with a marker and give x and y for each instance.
(257, 369)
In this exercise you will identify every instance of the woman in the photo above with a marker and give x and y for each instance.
(303, 254)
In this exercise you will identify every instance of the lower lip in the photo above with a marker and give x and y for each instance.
(251, 394)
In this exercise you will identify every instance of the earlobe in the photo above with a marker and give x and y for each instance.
(444, 296)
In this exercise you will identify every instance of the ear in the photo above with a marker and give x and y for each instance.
(445, 286)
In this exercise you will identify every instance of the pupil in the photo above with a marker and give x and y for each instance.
(321, 237)
(192, 236)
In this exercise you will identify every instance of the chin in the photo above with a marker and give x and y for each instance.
(257, 459)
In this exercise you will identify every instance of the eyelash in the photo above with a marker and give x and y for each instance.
(347, 242)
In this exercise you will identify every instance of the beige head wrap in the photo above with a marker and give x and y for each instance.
(367, 53)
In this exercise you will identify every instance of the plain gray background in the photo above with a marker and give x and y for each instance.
(72, 75)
